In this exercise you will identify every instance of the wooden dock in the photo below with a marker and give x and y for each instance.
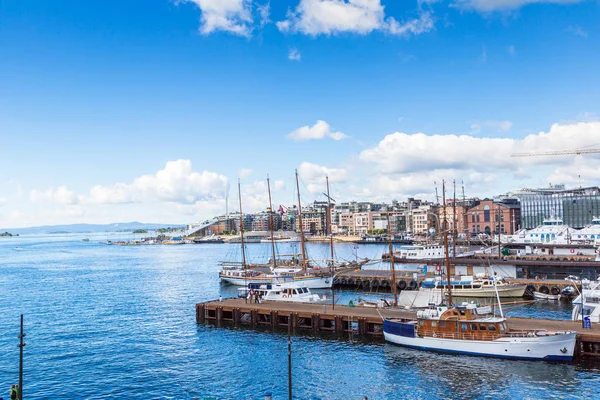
(365, 322)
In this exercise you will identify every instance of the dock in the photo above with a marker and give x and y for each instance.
(362, 321)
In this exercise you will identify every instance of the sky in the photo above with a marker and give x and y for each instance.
(152, 110)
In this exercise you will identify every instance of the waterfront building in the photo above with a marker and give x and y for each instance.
(576, 207)
(487, 216)
(423, 218)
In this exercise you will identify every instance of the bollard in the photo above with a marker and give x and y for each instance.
(268, 396)
(324, 308)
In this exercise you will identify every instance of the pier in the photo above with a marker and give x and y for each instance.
(362, 321)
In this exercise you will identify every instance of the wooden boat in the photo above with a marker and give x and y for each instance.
(547, 297)
(460, 330)
(469, 287)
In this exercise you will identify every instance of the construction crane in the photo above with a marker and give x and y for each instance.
(556, 153)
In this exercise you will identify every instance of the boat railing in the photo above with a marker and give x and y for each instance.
(461, 336)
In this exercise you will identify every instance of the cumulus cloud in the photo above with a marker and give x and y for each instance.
(313, 173)
(331, 17)
(234, 16)
(320, 130)
(487, 6)
(401, 152)
(61, 195)
(176, 183)
(294, 55)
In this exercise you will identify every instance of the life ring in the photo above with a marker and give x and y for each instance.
(572, 250)
(284, 295)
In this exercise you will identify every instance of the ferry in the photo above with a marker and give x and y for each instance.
(552, 231)
(468, 286)
(421, 252)
(461, 330)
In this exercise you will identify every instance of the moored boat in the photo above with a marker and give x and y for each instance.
(467, 286)
(460, 330)
(288, 292)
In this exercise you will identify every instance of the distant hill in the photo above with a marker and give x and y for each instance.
(91, 228)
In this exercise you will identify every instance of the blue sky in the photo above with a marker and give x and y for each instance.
(96, 98)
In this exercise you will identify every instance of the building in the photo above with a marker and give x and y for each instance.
(489, 217)
(423, 218)
(576, 207)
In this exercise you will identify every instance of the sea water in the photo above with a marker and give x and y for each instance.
(105, 322)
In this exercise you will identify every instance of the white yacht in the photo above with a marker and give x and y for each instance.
(290, 292)
(589, 234)
(468, 286)
(552, 231)
(421, 252)
(235, 275)
(590, 292)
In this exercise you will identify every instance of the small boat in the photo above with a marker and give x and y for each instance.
(209, 239)
(19, 248)
(461, 330)
(468, 286)
(85, 240)
(548, 297)
(290, 292)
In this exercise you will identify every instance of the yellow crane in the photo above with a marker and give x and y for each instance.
(557, 153)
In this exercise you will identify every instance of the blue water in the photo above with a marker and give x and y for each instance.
(118, 322)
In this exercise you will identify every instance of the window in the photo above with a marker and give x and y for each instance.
(421, 323)
(463, 327)
(486, 213)
(492, 328)
(477, 218)
(482, 327)
(472, 218)
(473, 327)
(433, 324)
(442, 324)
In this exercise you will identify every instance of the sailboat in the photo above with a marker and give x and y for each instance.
(460, 329)
(297, 271)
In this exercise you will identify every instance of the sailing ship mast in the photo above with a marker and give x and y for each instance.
(242, 225)
(271, 228)
(330, 231)
(394, 287)
(300, 224)
(444, 225)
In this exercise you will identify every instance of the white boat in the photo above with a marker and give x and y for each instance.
(552, 231)
(459, 330)
(420, 252)
(590, 292)
(467, 286)
(280, 240)
(241, 277)
(546, 296)
(290, 292)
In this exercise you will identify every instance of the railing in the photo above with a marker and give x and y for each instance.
(460, 335)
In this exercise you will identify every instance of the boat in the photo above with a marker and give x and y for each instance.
(383, 240)
(281, 240)
(209, 239)
(460, 330)
(19, 248)
(468, 286)
(288, 292)
(85, 240)
(546, 296)
(590, 306)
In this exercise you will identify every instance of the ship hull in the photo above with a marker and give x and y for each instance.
(309, 282)
(558, 347)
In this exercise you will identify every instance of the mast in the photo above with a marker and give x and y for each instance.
(271, 223)
(454, 230)
(393, 268)
(331, 267)
(300, 223)
(446, 244)
(242, 225)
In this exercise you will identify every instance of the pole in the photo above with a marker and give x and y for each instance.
(290, 357)
(301, 227)
(242, 237)
(446, 245)
(271, 228)
(454, 220)
(499, 241)
(392, 266)
(466, 218)
(21, 345)
(330, 242)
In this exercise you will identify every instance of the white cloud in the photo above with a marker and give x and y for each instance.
(245, 172)
(331, 17)
(401, 153)
(234, 16)
(313, 173)
(264, 11)
(415, 26)
(61, 195)
(177, 183)
(577, 31)
(487, 6)
(496, 126)
(294, 55)
(319, 130)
